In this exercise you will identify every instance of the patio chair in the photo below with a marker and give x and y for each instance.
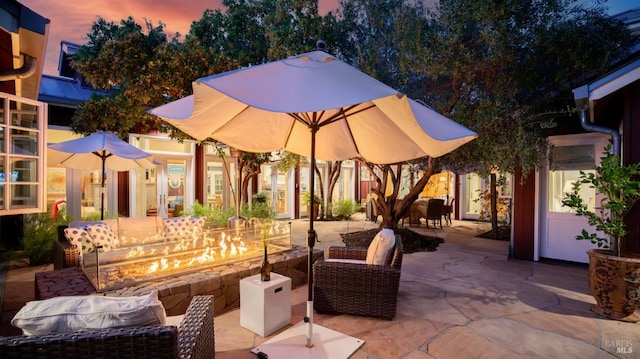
(447, 209)
(434, 211)
(357, 288)
(194, 339)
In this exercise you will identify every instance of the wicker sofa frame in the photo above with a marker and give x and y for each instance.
(64, 254)
(195, 340)
(357, 289)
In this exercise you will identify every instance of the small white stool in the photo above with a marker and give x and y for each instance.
(265, 307)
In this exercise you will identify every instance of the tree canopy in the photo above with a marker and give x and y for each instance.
(505, 69)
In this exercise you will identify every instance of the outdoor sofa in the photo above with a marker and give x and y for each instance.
(193, 338)
(128, 231)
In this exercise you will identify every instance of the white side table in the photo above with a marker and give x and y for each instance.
(265, 306)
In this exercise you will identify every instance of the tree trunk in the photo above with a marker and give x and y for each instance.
(322, 205)
(334, 174)
(391, 209)
(494, 206)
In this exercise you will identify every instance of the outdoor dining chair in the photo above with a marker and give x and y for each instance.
(434, 211)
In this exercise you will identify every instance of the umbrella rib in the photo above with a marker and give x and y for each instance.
(345, 114)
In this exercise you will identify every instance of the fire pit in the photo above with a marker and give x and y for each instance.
(135, 263)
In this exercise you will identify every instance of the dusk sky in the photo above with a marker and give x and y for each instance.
(71, 20)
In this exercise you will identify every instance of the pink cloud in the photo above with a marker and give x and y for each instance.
(72, 20)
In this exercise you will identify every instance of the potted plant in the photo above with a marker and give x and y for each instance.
(306, 201)
(614, 276)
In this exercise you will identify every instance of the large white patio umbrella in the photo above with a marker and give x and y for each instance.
(317, 106)
(99, 150)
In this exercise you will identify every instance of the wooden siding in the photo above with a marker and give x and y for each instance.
(524, 198)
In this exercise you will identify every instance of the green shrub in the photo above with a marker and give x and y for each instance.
(258, 210)
(40, 231)
(344, 209)
(214, 217)
(91, 216)
(306, 199)
(260, 197)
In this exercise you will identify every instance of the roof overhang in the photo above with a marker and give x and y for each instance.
(29, 33)
(607, 85)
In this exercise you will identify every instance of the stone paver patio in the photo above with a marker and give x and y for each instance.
(465, 300)
(468, 300)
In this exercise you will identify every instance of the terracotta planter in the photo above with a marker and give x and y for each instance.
(316, 211)
(615, 284)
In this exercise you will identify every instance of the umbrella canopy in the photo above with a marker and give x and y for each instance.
(100, 150)
(279, 102)
(310, 99)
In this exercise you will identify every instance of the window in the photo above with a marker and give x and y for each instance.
(22, 149)
(568, 162)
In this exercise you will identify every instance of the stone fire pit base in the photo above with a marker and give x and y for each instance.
(176, 292)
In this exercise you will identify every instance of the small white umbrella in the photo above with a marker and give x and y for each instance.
(99, 150)
(310, 99)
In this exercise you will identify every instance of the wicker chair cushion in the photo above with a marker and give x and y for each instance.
(86, 313)
(346, 260)
(380, 250)
(102, 235)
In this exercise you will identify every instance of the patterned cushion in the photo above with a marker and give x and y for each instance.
(80, 238)
(102, 235)
(178, 228)
(198, 226)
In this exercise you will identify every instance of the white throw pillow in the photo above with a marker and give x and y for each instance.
(88, 313)
(381, 248)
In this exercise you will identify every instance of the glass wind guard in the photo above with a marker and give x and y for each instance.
(129, 264)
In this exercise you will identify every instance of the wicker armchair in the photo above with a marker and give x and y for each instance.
(358, 289)
(194, 340)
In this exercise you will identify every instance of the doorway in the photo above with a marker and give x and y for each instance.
(164, 192)
(276, 183)
(559, 225)
(167, 189)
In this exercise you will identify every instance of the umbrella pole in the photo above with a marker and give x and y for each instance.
(311, 240)
(102, 192)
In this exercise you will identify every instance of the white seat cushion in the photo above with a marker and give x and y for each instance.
(87, 313)
(381, 248)
(342, 260)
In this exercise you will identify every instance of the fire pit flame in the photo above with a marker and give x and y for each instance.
(151, 260)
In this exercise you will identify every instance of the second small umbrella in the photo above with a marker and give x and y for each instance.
(99, 150)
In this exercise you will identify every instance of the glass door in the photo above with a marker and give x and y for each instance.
(559, 225)
(472, 187)
(215, 186)
(168, 189)
(276, 183)
(304, 187)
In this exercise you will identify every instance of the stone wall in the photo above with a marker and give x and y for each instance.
(222, 282)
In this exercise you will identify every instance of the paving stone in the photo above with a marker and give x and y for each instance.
(533, 342)
(463, 342)
(564, 321)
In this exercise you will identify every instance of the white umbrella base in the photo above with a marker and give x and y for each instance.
(327, 344)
